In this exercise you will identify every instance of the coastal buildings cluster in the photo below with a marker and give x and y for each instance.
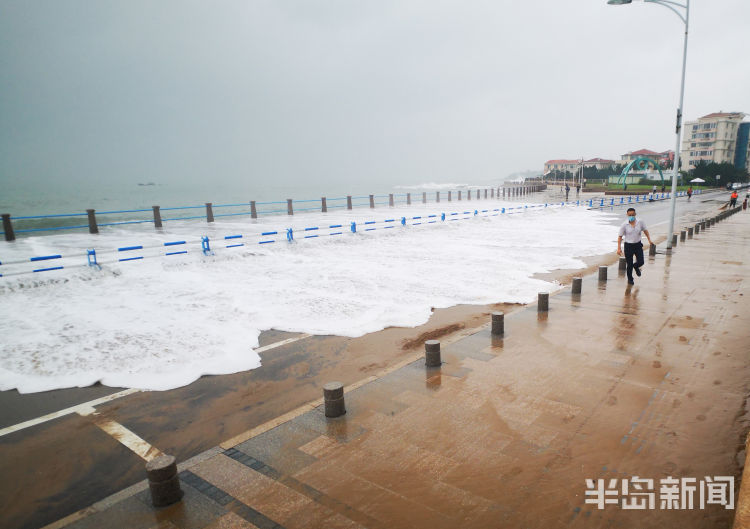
(720, 137)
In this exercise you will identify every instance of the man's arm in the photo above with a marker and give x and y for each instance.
(648, 236)
(619, 245)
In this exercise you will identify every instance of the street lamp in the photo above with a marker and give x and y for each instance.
(676, 8)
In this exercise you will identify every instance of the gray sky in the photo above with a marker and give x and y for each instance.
(391, 91)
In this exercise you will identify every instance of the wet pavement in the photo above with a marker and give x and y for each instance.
(648, 381)
(68, 462)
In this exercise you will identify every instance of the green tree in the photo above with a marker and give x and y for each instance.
(726, 173)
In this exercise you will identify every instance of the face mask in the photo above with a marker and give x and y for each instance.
(631, 218)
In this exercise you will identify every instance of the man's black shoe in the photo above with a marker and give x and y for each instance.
(637, 271)
(631, 282)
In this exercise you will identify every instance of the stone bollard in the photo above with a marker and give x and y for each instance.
(93, 227)
(542, 302)
(449, 196)
(408, 199)
(8, 228)
(372, 201)
(253, 210)
(652, 250)
(674, 240)
(703, 224)
(602, 273)
(163, 481)
(390, 199)
(323, 205)
(432, 353)
(697, 228)
(157, 216)
(623, 264)
(333, 399)
(690, 232)
(437, 197)
(424, 198)
(459, 196)
(577, 284)
(683, 235)
(348, 202)
(498, 323)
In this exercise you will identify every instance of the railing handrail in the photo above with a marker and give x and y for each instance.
(309, 232)
(258, 208)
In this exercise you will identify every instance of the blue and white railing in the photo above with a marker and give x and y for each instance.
(139, 252)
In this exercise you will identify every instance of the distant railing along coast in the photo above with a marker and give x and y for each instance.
(92, 219)
(138, 252)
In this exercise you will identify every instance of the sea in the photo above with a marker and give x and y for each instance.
(20, 198)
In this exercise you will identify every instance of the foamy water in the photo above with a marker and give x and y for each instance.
(162, 322)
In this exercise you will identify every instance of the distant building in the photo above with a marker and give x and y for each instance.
(600, 163)
(561, 165)
(742, 156)
(572, 166)
(664, 158)
(721, 137)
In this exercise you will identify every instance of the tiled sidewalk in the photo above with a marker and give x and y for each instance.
(619, 382)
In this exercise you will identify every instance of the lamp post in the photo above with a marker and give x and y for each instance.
(682, 11)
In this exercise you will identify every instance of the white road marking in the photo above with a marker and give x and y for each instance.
(282, 342)
(67, 411)
(126, 437)
(88, 408)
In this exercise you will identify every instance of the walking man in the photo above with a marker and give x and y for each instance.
(689, 192)
(733, 199)
(631, 233)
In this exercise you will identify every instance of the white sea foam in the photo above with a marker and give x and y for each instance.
(162, 322)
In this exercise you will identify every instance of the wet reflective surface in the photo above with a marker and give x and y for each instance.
(646, 380)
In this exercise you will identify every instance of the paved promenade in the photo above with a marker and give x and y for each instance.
(647, 381)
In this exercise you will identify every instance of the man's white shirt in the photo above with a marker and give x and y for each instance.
(632, 233)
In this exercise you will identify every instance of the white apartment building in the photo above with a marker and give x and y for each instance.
(714, 138)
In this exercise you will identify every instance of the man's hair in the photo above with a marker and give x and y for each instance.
(630, 209)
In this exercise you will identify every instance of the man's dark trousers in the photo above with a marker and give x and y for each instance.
(633, 249)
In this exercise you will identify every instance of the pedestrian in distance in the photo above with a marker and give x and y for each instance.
(689, 192)
(663, 187)
(567, 191)
(630, 233)
(733, 199)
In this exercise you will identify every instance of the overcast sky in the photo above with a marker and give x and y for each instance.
(392, 91)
